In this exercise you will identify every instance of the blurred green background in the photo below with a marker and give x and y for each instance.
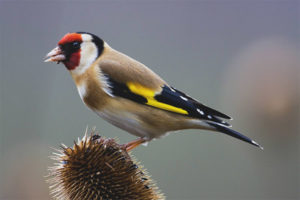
(240, 57)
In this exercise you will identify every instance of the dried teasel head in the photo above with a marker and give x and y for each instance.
(99, 168)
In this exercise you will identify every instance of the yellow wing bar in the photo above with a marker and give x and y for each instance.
(151, 101)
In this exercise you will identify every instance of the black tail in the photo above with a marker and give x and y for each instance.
(233, 133)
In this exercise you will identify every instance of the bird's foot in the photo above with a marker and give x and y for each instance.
(133, 144)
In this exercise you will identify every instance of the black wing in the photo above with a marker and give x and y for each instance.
(168, 99)
(172, 96)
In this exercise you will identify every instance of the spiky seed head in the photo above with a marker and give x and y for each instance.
(99, 168)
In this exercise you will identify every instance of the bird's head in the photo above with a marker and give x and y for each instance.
(76, 50)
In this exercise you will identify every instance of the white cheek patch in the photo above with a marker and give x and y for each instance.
(88, 54)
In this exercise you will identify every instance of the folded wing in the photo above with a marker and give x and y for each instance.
(167, 98)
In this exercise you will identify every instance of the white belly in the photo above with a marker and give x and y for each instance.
(126, 121)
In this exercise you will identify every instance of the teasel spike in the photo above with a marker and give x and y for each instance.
(99, 168)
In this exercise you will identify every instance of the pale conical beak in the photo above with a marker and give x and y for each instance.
(55, 55)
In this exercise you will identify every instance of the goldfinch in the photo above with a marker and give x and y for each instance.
(129, 95)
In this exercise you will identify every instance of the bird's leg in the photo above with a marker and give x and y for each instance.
(133, 144)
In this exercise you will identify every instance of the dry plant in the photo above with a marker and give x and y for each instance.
(99, 168)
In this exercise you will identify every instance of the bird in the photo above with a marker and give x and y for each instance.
(129, 95)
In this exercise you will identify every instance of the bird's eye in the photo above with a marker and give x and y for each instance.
(76, 45)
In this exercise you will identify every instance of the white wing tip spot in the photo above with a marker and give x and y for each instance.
(183, 98)
(172, 89)
(200, 111)
(209, 116)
